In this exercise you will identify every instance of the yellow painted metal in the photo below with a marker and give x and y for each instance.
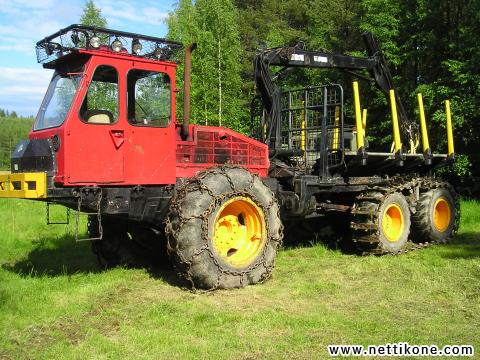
(364, 121)
(442, 215)
(264, 132)
(336, 130)
(393, 224)
(396, 129)
(423, 124)
(451, 149)
(413, 146)
(240, 232)
(358, 116)
(23, 185)
(302, 126)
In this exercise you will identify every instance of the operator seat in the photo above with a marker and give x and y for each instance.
(95, 116)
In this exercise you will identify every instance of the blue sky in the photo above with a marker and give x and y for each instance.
(23, 22)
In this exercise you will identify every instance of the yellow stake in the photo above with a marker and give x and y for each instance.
(413, 146)
(336, 130)
(302, 125)
(423, 124)
(449, 128)
(358, 116)
(364, 124)
(396, 129)
(364, 121)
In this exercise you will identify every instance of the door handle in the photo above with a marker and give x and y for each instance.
(118, 137)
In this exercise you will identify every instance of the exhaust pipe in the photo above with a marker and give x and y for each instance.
(187, 69)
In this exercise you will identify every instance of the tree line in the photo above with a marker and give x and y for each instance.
(6, 113)
(14, 129)
(431, 47)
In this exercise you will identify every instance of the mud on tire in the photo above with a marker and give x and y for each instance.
(380, 222)
(194, 221)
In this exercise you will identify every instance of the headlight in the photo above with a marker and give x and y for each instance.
(75, 39)
(136, 47)
(95, 42)
(117, 45)
(158, 52)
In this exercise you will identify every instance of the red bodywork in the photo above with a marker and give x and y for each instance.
(122, 154)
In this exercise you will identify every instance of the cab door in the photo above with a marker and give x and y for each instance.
(95, 135)
(150, 134)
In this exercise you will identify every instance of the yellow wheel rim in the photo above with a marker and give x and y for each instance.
(393, 222)
(239, 232)
(441, 214)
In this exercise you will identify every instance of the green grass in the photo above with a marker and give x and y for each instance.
(55, 303)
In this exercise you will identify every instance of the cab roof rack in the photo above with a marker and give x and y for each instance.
(76, 36)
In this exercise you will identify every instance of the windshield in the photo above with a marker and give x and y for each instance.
(57, 101)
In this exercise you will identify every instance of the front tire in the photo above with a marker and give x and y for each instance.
(223, 229)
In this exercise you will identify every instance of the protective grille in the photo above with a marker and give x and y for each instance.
(78, 37)
(311, 119)
(221, 147)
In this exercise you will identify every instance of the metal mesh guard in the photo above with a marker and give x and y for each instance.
(76, 37)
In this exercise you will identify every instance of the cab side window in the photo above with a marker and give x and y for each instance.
(100, 105)
(148, 95)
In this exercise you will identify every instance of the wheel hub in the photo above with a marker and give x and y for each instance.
(239, 232)
(441, 214)
(393, 222)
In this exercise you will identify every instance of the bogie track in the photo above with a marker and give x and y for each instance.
(411, 200)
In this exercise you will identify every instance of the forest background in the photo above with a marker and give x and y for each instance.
(431, 47)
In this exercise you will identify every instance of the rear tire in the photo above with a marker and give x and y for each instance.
(125, 244)
(394, 223)
(223, 229)
(437, 213)
(380, 222)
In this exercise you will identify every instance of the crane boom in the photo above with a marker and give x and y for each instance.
(296, 57)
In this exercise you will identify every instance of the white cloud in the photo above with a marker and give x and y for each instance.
(131, 11)
(15, 44)
(13, 73)
(18, 80)
(37, 4)
(17, 11)
(24, 22)
(23, 38)
(23, 88)
(8, 30)
(30, 21)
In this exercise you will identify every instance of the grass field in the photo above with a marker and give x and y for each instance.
(55, 303)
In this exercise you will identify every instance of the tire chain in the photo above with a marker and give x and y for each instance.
(403, 185)
(171, 230)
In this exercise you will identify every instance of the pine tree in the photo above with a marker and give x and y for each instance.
(92, 15)
(182, 27)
